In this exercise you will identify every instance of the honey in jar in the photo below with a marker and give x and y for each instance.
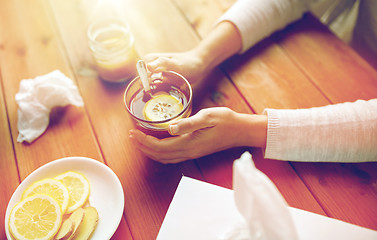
(112, 46)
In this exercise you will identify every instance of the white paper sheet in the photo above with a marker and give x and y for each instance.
(201, 210)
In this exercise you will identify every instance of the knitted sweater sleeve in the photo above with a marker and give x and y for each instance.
(345, 132)
(257, 19)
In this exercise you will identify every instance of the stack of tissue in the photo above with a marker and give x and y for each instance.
(265, 213)
(36, 98)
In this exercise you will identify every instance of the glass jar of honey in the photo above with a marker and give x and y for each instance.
(112, 45)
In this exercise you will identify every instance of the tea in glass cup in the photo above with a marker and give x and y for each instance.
(169, 99)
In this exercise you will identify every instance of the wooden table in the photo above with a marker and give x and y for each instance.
(302, 66)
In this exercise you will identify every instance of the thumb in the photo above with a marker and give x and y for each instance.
(190, 124)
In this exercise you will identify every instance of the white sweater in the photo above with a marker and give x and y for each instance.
(344, 132)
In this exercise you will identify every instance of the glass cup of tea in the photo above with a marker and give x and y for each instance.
(169, 99)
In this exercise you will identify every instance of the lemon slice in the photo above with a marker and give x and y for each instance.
(35, 217)
(162, 107)
(78, 188)
(52, 188)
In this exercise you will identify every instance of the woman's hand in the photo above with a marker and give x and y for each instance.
(221, 43)
(210, 130)
(188, 64)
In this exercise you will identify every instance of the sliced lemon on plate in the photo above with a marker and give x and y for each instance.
(78, 188)
(162, 107)
(35, 217)
(50, 187)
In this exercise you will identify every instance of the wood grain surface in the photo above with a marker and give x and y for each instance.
(302, 66)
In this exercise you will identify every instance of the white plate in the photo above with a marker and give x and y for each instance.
(106, 192)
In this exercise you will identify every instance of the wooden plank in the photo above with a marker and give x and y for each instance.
(31, 48)
(267, 78)
(8, 163)
(345, 191)
(331, 64)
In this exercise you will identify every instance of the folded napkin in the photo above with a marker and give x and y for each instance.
(265, 213)
(36, 98)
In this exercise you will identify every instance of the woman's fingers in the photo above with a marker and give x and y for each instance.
(204, 133)
(188, 63)
(188, 125)
(152, 142)
(168, 150)
(159, 62)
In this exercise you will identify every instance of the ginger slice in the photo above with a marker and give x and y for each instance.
(77, 217)
(65, 230)
(88, 224)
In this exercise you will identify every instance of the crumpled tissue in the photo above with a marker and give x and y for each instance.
(36, 98)
(265, 212)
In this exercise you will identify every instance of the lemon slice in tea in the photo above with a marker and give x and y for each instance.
(162, 107)
(35, 217)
